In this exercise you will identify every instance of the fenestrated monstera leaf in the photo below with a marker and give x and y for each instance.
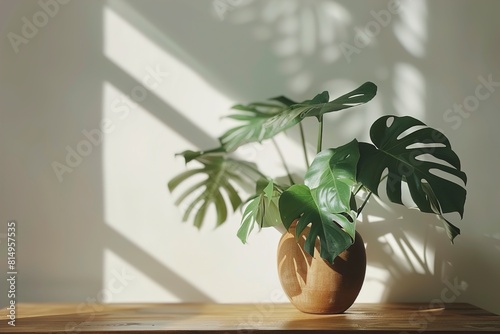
(220, 173)
(300, 202)
(262, 209)
(402, 152)
(261, 121)
(325, 201)
(265, 120)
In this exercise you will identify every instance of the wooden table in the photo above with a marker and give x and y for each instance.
(246, 318)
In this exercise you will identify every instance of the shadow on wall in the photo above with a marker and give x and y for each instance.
(413, 251)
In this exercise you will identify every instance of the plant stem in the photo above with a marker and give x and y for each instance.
(364, 203)
(384, 177)
(320, 134)
(357, 190)
(304, 144)
(283, 161)
(367, 197)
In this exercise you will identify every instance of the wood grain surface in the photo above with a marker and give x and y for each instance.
(246, 318)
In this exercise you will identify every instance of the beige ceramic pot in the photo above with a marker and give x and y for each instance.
(312, 284)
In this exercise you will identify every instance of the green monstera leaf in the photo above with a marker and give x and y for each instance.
(261, 210)
(265, 120)
(300, 202)
(319, 106)
(260, 121)
(218, 174)
(333, 173)
(403, 146)
(325, 201)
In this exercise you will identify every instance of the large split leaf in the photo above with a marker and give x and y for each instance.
(325, 201)
(401, 145)
(219, 174)
(300, 202)
(265, 120)
(261, 210)
(260, 121)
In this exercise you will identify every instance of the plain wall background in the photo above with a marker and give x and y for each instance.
(109, 231)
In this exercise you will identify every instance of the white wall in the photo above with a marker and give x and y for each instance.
(109, 230)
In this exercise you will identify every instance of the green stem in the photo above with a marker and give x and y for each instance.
(304, 144)
(364, 203)
(357, 190)
(361, 184)
(367, 197)
(283, 161)
(320, 134)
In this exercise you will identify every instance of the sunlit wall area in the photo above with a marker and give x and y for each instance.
(97, 99)
(170, 108)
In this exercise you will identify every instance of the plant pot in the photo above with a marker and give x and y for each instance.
(311, 283)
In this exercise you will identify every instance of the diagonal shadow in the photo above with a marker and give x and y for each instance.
(151, 267)
(160, 109)
(167, 28)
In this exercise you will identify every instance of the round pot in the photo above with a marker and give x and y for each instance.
(312, 284)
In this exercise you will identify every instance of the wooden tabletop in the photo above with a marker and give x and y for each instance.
(246, 318)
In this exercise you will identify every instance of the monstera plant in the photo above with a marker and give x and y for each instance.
(327, 200)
